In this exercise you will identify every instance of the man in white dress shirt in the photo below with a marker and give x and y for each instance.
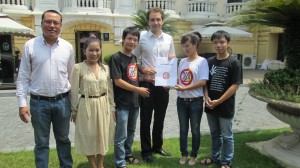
(44, 73)
(153, 43)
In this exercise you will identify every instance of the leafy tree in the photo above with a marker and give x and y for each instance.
(277, 13)
(141, 22)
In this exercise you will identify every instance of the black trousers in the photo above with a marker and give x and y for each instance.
(158, 102)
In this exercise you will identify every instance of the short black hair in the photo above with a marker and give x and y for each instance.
(220, 34)
(51, 11)
(132, 31)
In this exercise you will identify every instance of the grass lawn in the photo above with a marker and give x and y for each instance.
(245, 157)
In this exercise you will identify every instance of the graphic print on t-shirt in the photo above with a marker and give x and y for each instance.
(219, 75)
(186, 76)
(132, 72)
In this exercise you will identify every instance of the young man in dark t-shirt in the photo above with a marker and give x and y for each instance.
(225, 75)
(124, 73)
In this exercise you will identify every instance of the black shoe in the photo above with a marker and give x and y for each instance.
(148, 159)
(162, 152)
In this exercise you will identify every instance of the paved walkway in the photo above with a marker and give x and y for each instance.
(251, 115)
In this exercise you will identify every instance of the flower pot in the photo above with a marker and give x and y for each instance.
(286, 147)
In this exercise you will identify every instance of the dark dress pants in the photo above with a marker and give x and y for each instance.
(158, 102)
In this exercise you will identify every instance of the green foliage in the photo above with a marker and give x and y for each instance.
(277, 13)
(249, 159)
(107, 58)
(141, 22)
(280, 84)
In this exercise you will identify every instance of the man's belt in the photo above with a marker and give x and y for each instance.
(53, 98)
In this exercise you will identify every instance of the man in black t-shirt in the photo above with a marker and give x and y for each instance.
(225, 75)
(124, 73)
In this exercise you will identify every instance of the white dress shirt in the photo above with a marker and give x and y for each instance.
(151, 47)
(44, 70)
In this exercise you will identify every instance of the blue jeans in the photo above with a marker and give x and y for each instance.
(125, 128)
(222, 138)
(43, 114)
(189, 111)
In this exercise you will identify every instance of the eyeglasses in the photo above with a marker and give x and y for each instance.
(49, 22)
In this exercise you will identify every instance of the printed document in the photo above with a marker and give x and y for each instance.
(166, 72)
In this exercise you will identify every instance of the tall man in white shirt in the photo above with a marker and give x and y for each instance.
(153, 43)
(44, 73)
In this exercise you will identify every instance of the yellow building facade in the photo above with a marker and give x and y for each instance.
(108, 18)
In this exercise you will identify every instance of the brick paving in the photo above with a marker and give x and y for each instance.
(251, 115)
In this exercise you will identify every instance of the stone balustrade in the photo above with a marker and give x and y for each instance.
(86, 5)
(196, 6)
(234, 7)
(163, 4)
(14, 4)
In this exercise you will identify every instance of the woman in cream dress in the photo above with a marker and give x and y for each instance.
(93, 111)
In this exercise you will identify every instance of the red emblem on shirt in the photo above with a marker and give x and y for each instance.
(186, 77)
(132, 72)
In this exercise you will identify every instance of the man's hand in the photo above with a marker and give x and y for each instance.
(170, 56)
(214, 103)
(24, 114)
(149, 79)
(143, 91)
(148, 71)
(211, 104)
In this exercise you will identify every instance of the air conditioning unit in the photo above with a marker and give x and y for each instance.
(249, 61)
(238, 56)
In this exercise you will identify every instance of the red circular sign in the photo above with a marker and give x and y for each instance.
(132, 72)
(186, 77)
(166, 75)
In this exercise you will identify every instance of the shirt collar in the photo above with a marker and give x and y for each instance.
(45, 42)
(151, 34)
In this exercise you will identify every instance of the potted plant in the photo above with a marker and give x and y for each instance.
(280, 89)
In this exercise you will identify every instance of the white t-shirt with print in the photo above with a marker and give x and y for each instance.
(191, 72)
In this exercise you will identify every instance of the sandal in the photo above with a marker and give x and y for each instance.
(192, 161)
(183, 160)
(226, 166)
(132, 160)
(208, 161)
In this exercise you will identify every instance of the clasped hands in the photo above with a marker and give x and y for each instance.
(211, 104)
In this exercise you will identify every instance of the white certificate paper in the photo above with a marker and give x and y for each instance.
(166, 72)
